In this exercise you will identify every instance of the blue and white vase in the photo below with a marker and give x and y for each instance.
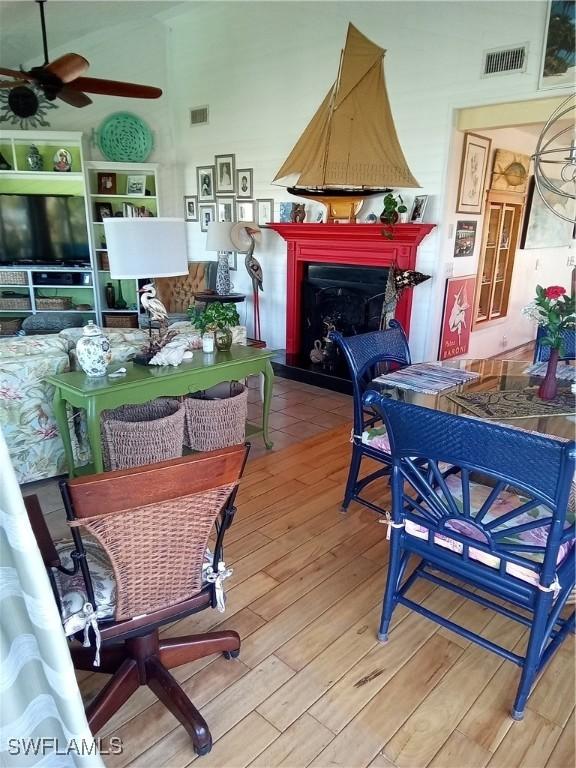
(223, 274)
(93, 351)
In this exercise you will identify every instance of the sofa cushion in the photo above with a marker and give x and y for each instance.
(51, 322)
(24, 346)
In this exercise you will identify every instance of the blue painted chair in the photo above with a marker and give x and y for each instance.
(368, 355)
(542, 353)
(502, 524)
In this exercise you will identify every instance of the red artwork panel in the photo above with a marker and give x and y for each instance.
(457, 317)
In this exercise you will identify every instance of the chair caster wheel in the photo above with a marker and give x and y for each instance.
(203, 750)
(517, 715)
(232, 654)
(382, 637)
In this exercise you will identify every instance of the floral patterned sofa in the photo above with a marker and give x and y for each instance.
(26, 415)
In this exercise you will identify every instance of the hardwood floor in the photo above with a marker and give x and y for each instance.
(312, 685)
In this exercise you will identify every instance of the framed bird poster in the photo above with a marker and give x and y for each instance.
(457, 317)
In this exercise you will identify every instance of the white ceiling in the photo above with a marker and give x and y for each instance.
(66, 21)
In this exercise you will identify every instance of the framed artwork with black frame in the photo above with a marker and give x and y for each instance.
(557, 62)
(225, 174)
(473, 167)
(465, 238)
(207, 214)
(191, 207)
(418, 208)
(103, 211)
(205, 183)
(244, 183)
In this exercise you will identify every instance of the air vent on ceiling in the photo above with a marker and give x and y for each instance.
(505, 60)
(198, 115)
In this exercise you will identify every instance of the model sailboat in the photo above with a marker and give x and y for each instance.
(349, 149)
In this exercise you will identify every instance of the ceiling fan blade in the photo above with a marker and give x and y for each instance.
(68, 67)
(16, 74)
(12, 83)
(74, 98)
(115, 88)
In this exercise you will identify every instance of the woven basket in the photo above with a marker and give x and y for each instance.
(216, 423)
(15, 303)
(120, 321)
(9, 325)
(56, 303)
(133, 435)
(9, 277)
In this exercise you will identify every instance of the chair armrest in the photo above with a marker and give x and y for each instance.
(41, 532)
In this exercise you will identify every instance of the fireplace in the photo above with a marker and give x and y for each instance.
(340, 297)
(312, 246)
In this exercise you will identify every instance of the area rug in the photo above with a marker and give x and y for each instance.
(514, 404)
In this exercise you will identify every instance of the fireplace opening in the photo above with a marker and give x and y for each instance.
(341, 297)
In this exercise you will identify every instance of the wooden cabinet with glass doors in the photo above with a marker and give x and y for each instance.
(499, 240)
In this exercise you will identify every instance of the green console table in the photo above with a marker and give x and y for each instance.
(143, 383)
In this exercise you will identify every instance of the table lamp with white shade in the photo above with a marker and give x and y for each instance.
(145, 248)
(218, 239)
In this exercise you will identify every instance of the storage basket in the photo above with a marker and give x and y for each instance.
(216, 418)
(120, 321)
(9, 325)
(15, 303)
(55, 303)
(133, 435)
(10, 277)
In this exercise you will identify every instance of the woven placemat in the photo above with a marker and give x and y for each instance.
(515, 404)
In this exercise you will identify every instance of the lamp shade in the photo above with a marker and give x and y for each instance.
(219, 236)
(146, 247)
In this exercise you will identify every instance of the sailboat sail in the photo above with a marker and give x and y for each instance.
(351, 141)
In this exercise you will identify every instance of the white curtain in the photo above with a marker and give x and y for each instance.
(41, 711)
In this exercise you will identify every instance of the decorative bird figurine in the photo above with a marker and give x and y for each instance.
(252, 264)
(152, 305)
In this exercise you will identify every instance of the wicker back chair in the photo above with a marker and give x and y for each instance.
(501, 523)
(368, 355)
(153, 522)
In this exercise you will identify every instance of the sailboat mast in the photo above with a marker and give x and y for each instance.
(329, 122)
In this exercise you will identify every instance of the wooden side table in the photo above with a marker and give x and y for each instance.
(142, 383)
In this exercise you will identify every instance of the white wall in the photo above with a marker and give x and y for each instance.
(544, 266)
(263, 69)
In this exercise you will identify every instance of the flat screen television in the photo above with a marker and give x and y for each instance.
(43, 230)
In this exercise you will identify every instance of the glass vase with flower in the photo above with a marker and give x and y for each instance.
(554, 310)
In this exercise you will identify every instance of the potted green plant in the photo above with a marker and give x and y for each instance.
(216, 317)
(394, 209)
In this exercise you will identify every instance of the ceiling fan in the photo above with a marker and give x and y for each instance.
(63, 78)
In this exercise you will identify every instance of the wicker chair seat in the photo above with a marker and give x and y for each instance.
(507, 501)
(72, 588)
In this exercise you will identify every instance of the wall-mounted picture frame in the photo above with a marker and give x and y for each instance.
(465, 238)
(205, 183)
(557, 69)
(265, 211)
(418, 208)
(191, 207)
(225, 173)
(457, 317)
(541, 227)
(473, 167)
(106, 183)
(244, 183)
(136, 185)
(103, 211)
(245, 210)
(207, 213)
(226, 209)
(233, 261)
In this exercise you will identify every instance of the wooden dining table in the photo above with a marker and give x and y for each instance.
(503, 391)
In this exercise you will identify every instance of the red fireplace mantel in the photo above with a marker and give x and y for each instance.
(358, 244)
